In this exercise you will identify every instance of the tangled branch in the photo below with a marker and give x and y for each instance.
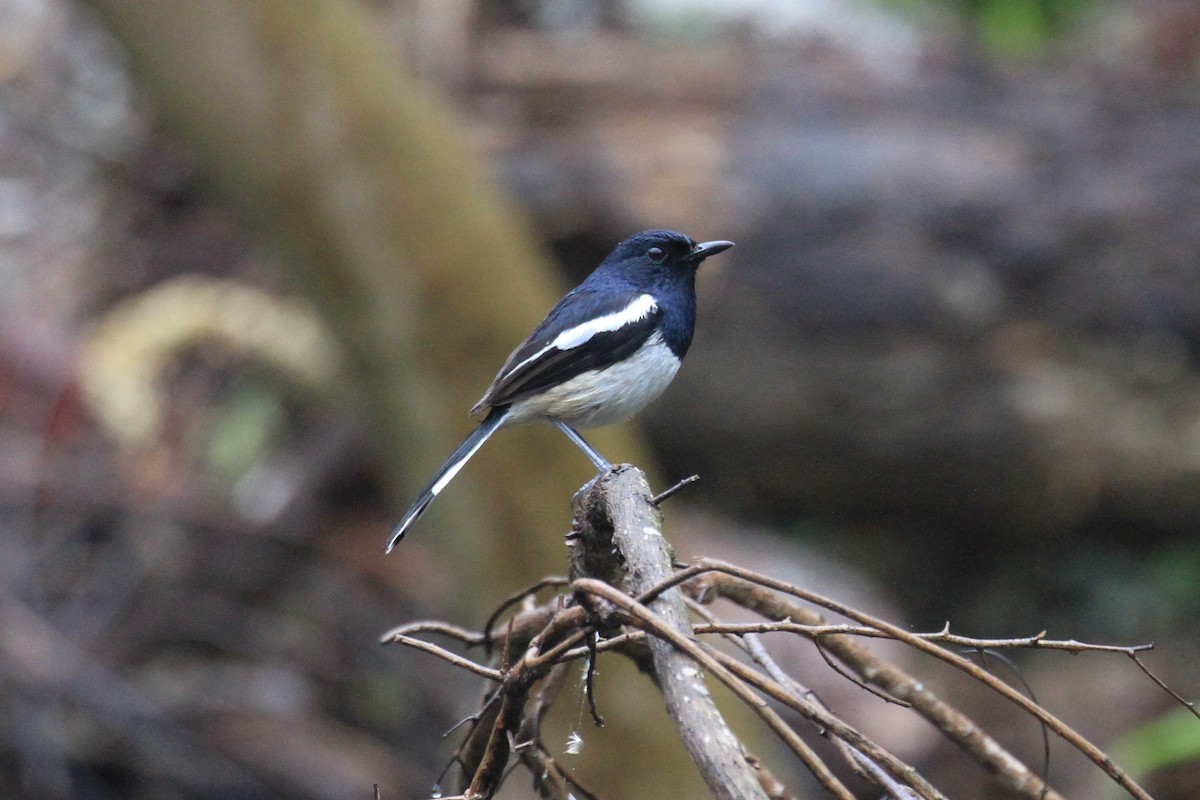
(623, 597)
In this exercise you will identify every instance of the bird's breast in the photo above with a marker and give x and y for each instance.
(602, 397)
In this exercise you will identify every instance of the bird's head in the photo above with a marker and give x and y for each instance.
(660, 255)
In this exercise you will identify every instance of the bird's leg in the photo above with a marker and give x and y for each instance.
(588, 450)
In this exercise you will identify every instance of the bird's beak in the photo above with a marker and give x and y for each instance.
(706, 249)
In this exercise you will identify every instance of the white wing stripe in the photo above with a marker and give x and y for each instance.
(637, 310)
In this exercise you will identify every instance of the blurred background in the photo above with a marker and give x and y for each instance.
(257, 260)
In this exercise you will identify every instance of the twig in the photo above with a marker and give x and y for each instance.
(1188, 704)
(538, 658)
(590, 683)
(431, 626)
(658, 499)
(447, 656)
(712, 661)
(757, 652)
(551, 779)
(489, 773)
(471, 751)
(866, 687)
(467, 720)
(1035, 642)
(1038, 642)
(1012, 667)
(1061, 729)
(827, 722)
(551, 686)
(955, 725)
(510, 601)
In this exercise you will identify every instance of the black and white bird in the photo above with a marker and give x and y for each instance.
(608, 348)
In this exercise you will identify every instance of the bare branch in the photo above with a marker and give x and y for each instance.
(1188, 704)
(489, 774)
(511, 600)
(1035, 642)
(433, 626)
(828, 723)
(658, 499)
(714, 662)
(955, 725)
(1038, 641)
(589, 681)
(617, 542)
(1061, 729)
(553, 781)
(447, 656)
(616, 508)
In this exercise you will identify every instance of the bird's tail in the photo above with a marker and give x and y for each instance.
(446, 474)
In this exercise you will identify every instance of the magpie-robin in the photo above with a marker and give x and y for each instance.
(608, 348)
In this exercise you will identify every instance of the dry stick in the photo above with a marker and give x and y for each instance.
(832, 724)
(565, 630)
(510, 601)
(1188, 704)
(724, 670)
(490, 771)
(547, 771)
(1039, 642)
(473, 749)
(551, 779)
(433, 626)
(859, 761)
(1036, 642)
(1061, 729)
(628, 644)
(955, 725)
(446, 655)
(617, 506)
(569, 624)
(881, 672)
(661, 497)
(736, 675)
(486, 750)
(485, 753)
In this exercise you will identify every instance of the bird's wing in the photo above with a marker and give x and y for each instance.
(587, 330)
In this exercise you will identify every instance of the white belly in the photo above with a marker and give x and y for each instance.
(602, 397)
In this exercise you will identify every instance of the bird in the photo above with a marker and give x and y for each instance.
(607, 348)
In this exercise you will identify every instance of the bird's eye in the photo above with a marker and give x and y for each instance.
(656, 253)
